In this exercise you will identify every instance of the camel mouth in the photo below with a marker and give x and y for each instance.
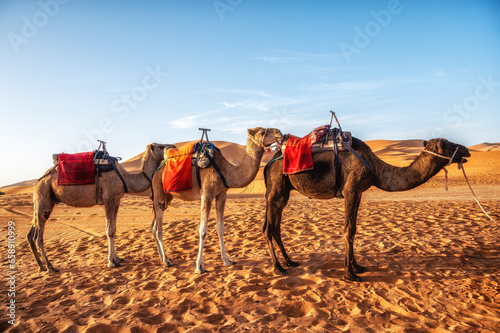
(465, 154)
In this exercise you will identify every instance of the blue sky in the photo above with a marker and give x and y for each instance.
(134, 72)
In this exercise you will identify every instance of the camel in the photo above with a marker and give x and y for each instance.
(237, 176)
(355, 178)
(110, 190)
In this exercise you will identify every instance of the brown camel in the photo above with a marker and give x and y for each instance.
(110, 190)
(355, 178)
(237, 176)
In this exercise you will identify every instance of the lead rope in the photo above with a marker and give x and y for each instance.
(450, 160)
(460, 166)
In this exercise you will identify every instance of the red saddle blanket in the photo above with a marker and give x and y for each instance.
(297, 156)
(177, 175)
(76, 169)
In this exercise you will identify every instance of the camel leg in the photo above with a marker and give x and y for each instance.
(281, 204)
(352, 200)
(272, 214)
(111, 208)
(39, 241)
(31, 236)
(157, 230)
(41, 214)
(206, 204)
(220, 204)
(33, 233)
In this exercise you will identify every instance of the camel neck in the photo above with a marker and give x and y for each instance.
(140, 182)
(392, 178)
(241, 175)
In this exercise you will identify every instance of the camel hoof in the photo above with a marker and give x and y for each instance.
(53, 270)
(291, 263)
(229, 263)
(168, 263)
(200, 270)
(359, 269)
(113, 264)
(280, 271)
(119, 260)
(352, 277)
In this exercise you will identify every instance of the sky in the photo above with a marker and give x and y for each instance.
(135, 72)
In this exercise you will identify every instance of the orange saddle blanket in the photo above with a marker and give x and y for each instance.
(76, 169)
(297, 156)
(177, 175)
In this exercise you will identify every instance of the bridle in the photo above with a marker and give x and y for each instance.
(261, 142)
(450, 159)
(460, 166)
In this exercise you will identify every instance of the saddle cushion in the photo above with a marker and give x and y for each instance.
(177, 174)
(297, 156)
(76, 169)
(318, 133)
(201, 150)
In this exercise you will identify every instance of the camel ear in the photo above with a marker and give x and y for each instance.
(425, 143)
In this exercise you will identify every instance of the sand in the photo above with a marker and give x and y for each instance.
(432, 257)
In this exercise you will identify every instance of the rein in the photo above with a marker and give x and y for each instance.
(450, 159)
(460, 166)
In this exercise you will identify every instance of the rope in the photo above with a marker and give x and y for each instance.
(450, 159)
(460, 166)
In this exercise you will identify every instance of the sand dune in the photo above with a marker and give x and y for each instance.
(432, 260)
(486, 147)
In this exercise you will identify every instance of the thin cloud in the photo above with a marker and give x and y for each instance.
(184, 122)
(283, 57)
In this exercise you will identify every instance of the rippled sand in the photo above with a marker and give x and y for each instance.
(433, 266)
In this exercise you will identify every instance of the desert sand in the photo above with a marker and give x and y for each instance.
(433, 261)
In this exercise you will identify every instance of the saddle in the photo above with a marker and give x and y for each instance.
(85, 168)
(177, 175)
(102, 161)
(203, 157)
(324, 138)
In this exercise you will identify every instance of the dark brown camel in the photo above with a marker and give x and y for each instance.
(354, 179)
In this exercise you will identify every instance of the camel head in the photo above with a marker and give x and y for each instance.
(265, 137)
(157, 150)
(447, 149)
